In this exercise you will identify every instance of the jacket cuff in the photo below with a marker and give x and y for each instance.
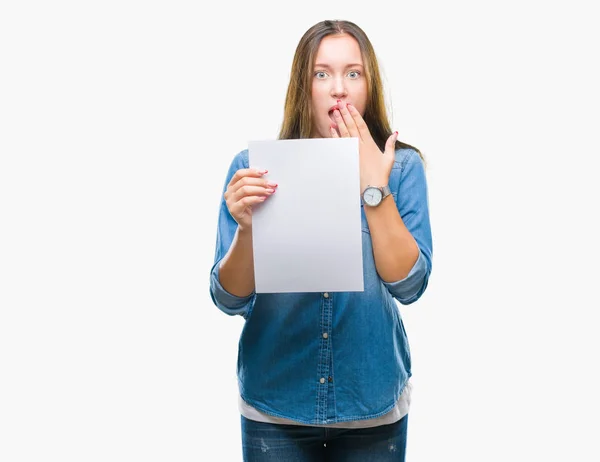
(409, 289)
(225, 301)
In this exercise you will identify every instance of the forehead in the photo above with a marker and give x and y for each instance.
(338, 50)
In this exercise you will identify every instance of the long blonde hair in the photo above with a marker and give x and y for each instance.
(297, 113)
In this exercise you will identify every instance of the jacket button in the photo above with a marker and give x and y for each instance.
(322, 380)
(326, 295)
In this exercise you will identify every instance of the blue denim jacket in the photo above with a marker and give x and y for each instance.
(322, 358)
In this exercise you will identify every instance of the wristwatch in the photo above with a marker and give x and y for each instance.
(373, 195)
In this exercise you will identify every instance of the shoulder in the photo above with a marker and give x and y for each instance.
(405, 157)
(237, 162)
(240, 160)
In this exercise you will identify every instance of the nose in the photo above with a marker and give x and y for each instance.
(338, 89)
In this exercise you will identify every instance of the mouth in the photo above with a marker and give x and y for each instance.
(330, 113)
(331, 116)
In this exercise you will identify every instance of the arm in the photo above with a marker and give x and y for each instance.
(236, 270)
(227, 297)
(232, 274)
(394, 248)
(401, 234)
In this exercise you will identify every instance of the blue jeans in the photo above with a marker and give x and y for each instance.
(263, 442)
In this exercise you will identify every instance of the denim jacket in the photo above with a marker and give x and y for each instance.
(323, 358)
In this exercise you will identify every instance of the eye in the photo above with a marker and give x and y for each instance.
(320, 74)
(354, 74)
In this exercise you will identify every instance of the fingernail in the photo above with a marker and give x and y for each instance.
(272, 185)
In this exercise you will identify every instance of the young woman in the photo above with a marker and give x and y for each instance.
(325, 376)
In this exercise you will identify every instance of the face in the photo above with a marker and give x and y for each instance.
(338, 74)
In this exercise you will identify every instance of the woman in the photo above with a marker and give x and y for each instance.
(325, 376)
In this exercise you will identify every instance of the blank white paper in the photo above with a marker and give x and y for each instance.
(307, 236)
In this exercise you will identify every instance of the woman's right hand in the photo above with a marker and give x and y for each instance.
(246, 189)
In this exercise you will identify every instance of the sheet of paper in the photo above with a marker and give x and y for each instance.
(307, 236)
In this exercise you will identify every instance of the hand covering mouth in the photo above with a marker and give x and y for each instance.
(335, 106)
(331, 116)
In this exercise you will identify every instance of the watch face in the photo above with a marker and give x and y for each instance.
(372, 196)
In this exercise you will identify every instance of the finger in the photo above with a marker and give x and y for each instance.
(239, 207)
(248, 190)
(348, 120)
(250, 181)
(360, 123)
(334, 133)
(344, 133)
(390, 145)
(246, 172)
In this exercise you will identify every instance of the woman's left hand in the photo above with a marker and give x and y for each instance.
(375, 166)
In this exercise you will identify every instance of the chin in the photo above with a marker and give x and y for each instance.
(318, 133)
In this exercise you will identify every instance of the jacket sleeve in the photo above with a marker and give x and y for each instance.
(226, 228)
(413, 206)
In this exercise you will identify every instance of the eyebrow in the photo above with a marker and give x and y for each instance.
(327, 66)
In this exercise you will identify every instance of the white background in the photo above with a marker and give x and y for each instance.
(118, 120)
